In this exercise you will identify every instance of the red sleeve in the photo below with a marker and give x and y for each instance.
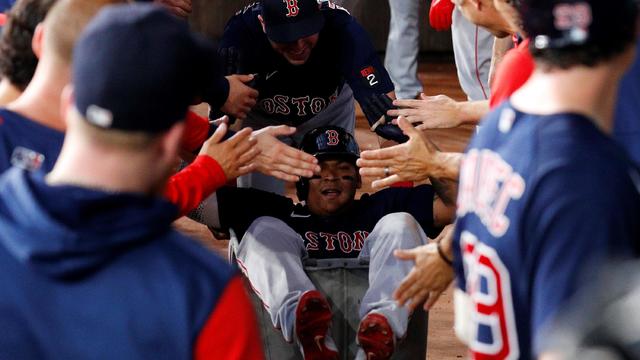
(195, 132)
(193, 184)
(514, 70)
(231, 332)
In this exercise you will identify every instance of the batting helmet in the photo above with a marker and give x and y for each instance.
(327, 142)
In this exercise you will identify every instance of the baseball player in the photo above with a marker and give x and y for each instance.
(545, 194)
(310, 61)
(472, 47)
(443, 112)
(276, 235)
(89, 263)
(17, 60)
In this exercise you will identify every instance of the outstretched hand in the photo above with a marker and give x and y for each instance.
(235, 155)
(410, 161)
(280, 160)
(430, 112)
(430, 276)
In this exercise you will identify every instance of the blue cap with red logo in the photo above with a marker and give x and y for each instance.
(138, 68)
(562, 23)
(289, 20)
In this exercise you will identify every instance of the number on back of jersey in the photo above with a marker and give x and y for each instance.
(489, 327)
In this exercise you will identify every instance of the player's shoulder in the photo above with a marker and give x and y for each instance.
(539, 144)
(10, 120)
(338, 20)
(250, 11)
(245, 19)
(334, 12)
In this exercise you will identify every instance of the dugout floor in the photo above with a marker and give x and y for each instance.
(438, 78)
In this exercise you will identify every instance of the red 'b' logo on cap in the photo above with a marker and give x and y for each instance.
(333, 138)
(292, 7)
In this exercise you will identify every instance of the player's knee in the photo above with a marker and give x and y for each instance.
(398, 221)
(267, 224)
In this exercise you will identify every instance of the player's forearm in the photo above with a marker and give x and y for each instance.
(445, 166)
(471, 112)
(444, 176)
(193, 184)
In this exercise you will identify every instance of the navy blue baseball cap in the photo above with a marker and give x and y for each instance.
(289, 20)
(329, 142)
(563, 23)
(138, 68)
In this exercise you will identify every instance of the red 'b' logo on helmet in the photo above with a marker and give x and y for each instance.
(292, 7)
(333, 138)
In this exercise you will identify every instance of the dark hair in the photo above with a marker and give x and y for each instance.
(17, 60)
(611, 36)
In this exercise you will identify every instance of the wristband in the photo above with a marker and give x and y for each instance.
(442, 256)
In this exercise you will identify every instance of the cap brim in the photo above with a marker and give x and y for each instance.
(321, 156)
(290, 32)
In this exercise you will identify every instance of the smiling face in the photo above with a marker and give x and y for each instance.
(297, 52)
(334, 188)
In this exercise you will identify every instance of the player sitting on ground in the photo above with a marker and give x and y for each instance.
(330, 223)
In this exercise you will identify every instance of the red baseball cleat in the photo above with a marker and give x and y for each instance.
(313, 319)
(376, 337)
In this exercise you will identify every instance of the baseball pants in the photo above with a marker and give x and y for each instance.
(271, 256)
(472, 50)
(403, 43)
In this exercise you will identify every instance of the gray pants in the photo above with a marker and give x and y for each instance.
(401, 57)
(472, 50)
(341, 112)
(271, 254)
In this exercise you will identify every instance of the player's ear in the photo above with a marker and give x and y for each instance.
(67, 101)
(170, 142)
(264, 29)
(37, 40)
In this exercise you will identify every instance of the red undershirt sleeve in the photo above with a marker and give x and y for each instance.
(193, 184)
(196, 131)
(231, 332)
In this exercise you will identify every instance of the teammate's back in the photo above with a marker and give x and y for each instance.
(83, 274)
(514, 196)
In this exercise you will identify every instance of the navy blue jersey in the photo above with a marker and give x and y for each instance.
(5, 5)
(90, 274)
(293, 94)
(326, 237)
(27, 144)
(627, 123)
(542, 201)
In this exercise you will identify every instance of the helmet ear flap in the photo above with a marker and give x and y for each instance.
(302, 189)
